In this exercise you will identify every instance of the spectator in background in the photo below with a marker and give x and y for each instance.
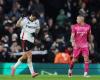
(68, 10)
(1, 46)
(51, 27)
(15, 10)
(1, 2)
(61, 18)
(14, 19)
(4, 48)
(58, 44)
(83, 10)
(63, 57)
(98, 16)
(30, 5)
(50, 23)
(47, 40)
(36, 5)
(37, 44)
(1, 51)
(14, 38)
(74, 9)
(15, 48)
(1, 20)
(7, 24)
(42, 18)
(5, 40)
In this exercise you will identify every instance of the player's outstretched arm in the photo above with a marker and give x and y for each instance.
(18, 24)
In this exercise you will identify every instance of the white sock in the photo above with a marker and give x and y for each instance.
(85, 73)
(30, 67)
(17, 64)
(70, 71)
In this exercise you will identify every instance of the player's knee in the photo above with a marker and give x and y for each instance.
(74, 59)
(29, 60)
(86, 59)
(29, 56)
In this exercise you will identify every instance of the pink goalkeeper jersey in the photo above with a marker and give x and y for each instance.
(81, 35)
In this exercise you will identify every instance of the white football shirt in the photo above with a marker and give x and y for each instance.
(29, 27)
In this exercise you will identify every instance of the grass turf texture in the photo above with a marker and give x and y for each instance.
(48, 77)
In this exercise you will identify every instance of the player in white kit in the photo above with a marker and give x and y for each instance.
(30, 26)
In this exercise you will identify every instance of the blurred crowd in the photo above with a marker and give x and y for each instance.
(56, 17)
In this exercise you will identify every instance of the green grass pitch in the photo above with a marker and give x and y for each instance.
(48, 77)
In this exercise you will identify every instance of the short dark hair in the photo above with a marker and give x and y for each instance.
(35, 13)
